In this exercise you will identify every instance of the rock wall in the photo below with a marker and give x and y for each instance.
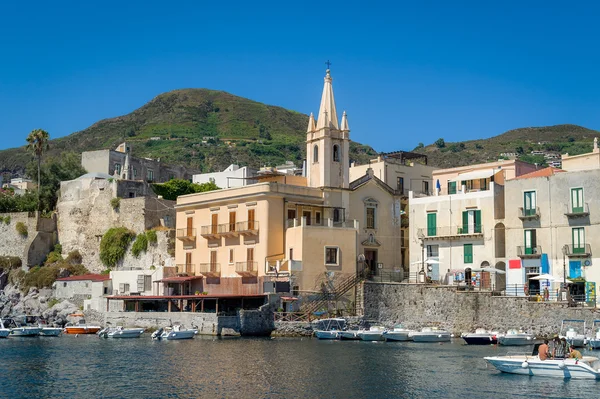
(33, 248)
(416, 306)
(258, 322)
(36, 303)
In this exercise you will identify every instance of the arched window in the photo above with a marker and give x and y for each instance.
(336, 153)
(316, 154)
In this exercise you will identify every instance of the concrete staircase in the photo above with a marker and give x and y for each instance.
(336, 293)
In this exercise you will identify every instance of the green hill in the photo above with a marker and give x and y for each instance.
(562, 139)
(204, 129)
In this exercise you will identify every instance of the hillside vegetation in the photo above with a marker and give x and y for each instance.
(204, 129)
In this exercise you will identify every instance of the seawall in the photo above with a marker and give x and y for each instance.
(416, 306)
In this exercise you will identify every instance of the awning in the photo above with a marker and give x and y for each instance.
(179, 279)
(475, 175)
(289, 298)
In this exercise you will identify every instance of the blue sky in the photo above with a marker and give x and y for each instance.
(405, 72)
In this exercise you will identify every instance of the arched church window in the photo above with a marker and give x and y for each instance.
(336, 153)
(316, 154)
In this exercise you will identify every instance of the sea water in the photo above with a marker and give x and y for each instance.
(208, 367)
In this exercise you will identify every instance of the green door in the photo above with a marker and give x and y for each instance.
(529, 203)
(530, 243)
(578, 240)
(451, 187)
(431, 224)
(477, 221)
(577, 200)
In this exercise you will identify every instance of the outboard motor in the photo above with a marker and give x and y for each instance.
(156, 334)
(103, 333)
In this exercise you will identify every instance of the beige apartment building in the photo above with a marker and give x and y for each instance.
(278, 236)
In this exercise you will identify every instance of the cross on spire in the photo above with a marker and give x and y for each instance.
(328, 64)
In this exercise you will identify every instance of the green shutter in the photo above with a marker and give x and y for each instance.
(465, 224)
(577, 199)
(468, 253)
(478, 221)
(578, 240)
(431, 224)
(451, 187)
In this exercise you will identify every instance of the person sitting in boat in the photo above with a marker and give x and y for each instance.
(544, 350)
(574, 353)
(560, 348)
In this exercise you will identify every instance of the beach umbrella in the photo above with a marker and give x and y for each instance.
(546, 276)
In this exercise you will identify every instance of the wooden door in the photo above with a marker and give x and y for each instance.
(249, 259)
(190, 223)
(213, 261)
(214, 223)
(250, 219)
(231, 221)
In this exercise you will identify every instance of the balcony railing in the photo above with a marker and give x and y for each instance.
(451, 232)
(247, 268)
(189, 269)
(227, 230)
(352, 224)
(210, 269)
(526, 252)
(577, 211)
(529, 213)
(247, 228)
(187, 234)
(578, 250)
(210, 231)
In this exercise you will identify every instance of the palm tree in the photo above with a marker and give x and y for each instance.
(37, 143)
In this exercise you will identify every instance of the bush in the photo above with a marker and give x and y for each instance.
(140, 245)
(113, 245)
(74, 258)
(115, 202)
(52, 302)
(21, 229)
(53, 257)
(151, 235)
(45, 276)
(10, 262)
(440, 143)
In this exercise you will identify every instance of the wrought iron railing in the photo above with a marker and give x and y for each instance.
(188, 269)
(529, 251)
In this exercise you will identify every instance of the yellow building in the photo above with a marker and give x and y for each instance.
(299, 236)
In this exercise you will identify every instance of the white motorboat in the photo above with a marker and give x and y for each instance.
(481, 336)
(349, 335)
(375, 333)
(399, 333)
(516, 338)
(594, 339)
(531, 365)
(175, 332)
(20, 329)
(431, 334)
(574, 338)
(50, 331)
(329, 328)
(120, 332)
(4, 332)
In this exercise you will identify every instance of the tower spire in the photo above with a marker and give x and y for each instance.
(327, 113)
(345, 127)
(311, 123)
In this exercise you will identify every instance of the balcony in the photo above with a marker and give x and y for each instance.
(186, 269)
(524, 252)
(186, 235)
(210, 232)
(578, 250)
(577, 212)
(210, 269)
(227, 230)
(349, 224)
(451, 232)
(248, 228)
(277, 267)
(529, 213)
(246, 269)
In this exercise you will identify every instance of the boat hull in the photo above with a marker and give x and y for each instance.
(326, 334)
(594, 343)
(371, 336)
(127, 333)
(4, 332)
(176, 335)
(578, 342)
(516, 341)
(480, 339)
(349, 335)
(568, 368)
(25, 331)
(397, 336)
(51, 332)
(431, 337)
(81, 330)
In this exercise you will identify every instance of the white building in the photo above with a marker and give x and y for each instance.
(232, 176)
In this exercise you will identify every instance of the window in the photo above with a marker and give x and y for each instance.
(529, 203)
(318, 218)
(295, 290)
(471, 222)
(451, 187)
(400, 184)
(150, 175)
(231, 256)
(291, 214)
(231, 221)
(337, 215)
(306, 214)
(213, 259)
(291, 254)
(530, 242)
(468, 250)
(190, 229)
(147, 283)
(134, 172)
(214, 218)
(118, 168)
(331, 255)
(64, 284)
(578, 240)
(431, 224)
(433, 251)
(577, 200)
(315, 154)
(370, 217)
(251, 218)
(426, 187)
(336, 153)
(131, 194)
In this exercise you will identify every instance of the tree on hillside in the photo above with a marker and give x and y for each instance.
(176, 187)
(440, 143)
(37, 143)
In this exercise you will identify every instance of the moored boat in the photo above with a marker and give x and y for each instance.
(594, 339)
(50, 331)
(374, 333)
(120, 332)
(431, 334)
(329, 328)
(349, 335)
(81, 327)
(4, 332)
(175, 332)
(531, 365)
(516, 338)
(399, 333)
(574, 337)
(20, 329)
(481, 336)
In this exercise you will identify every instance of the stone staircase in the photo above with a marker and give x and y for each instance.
(336, 293)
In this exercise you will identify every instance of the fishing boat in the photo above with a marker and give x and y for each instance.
(516, 338)
(399, 333)
(120, 332)
(531, 365)
(329, 328)
(481, 336)
(81, 327)
(571, 334)
(175, 332)
(431, 334)
(18, 327)
(594, 339)
(374, 333)
(4, 332)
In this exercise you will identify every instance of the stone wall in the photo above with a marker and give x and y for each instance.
(416, 306)
(33, 248)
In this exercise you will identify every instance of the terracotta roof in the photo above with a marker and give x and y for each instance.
(549, 171)
(166, 297)
(178, 279)
(86, 277)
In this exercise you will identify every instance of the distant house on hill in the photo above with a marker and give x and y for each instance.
(232, 176)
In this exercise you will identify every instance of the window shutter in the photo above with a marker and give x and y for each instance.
(478, 221)
(465, 222)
